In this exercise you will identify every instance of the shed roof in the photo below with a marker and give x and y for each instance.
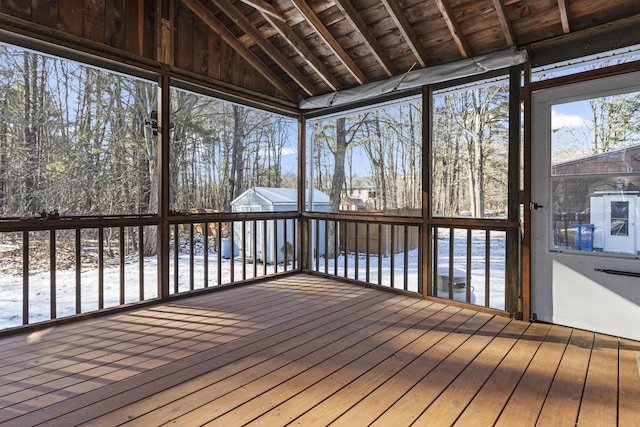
(281, 196)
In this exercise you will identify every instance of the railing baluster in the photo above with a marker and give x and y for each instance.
(25, 277)
(357, 260)
(191, 258)
(294, 244)
(345, 238)
(326, 246)
(275, 245)
(452, 238)
(368, 253)
(379, 254)
(254, 248)
(316, 243)
(141, 261)
(243, 254)
(434, 271)
(232, 251)
(176, 253)
(264, 247)
(205, 253)
(406, 258)
(121, 263)
(78, 245)
(219, 254)
(52, 273)
(487, 268)
(286, 253)
(392, 255)
(469, 253)
(336, 239)
(100, 268)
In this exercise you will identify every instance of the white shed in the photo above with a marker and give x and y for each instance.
(268, 199)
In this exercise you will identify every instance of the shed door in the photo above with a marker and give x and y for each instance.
(586, 220)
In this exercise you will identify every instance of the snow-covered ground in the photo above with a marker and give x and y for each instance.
(11, 287)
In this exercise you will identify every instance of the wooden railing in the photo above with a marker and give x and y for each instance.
(227, 249)
(61, 267)
(374, 249)
(69, 266)
(54, 268)
(476, 262)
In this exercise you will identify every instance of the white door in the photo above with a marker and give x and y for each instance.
(585, 270)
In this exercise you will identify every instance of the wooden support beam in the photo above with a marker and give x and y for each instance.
(563, 6)
(271, 15)
(283, 62)
(332, 43)
(265, 8)
(454, 28)
(215, 25)
(305, 53)
(505, 23)
(361, 28)
(406, 30)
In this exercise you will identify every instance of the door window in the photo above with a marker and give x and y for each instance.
(595, 174)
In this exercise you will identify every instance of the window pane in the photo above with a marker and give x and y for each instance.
(220, 150)
(598, 213)
(73, 138)
(368, 161)
(470, 152)
(596, 136)
(595, 168)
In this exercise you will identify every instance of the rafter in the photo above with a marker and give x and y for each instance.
(406, 30)
(505, 23)
(323, 32)
(269, 14)
(215, 25)
(564, 15)
(352, 15)
(283, 62)
(305, 53)
(265, 8)
(454, 28)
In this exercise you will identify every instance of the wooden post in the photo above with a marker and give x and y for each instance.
(163, 187)
(304, 236)
(512, 273)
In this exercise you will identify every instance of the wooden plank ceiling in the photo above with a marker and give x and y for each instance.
(294, 49)
(311, 47)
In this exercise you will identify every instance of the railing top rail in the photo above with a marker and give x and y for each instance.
(475, 223)
(73, 222)
(384, 219)
(230, 216)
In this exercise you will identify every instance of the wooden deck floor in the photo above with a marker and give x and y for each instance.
(311, 351)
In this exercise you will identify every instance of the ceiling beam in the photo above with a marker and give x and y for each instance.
(215, 25)
(269, 14)
(265, 8)
(352, 15)
(332, 43)
(505, 23)
(454, 28)
(564, 15)
(283, 62)
(305, 53)
(406, 30)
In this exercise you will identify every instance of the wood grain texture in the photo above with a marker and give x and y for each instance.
(313, 351)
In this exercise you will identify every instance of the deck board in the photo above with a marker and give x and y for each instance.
(304, 350)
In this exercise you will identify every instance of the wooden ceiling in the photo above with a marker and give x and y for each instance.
(294, 49)
(311, 47)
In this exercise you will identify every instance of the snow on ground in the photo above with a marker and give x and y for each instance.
(11, 289)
